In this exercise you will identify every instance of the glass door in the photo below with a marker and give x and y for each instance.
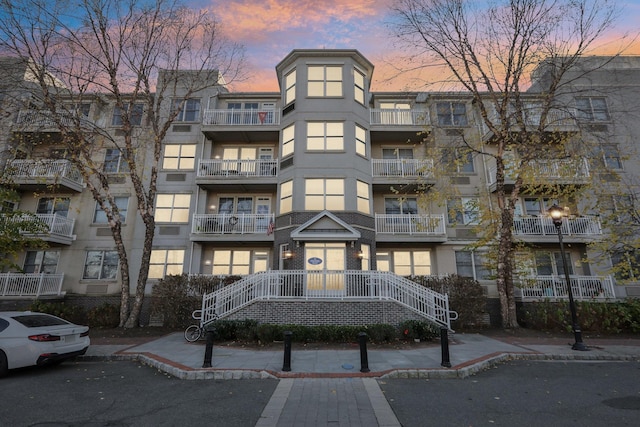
(324, 265)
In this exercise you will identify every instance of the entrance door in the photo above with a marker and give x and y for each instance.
(324, 265)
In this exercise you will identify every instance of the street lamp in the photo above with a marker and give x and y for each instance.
(556, 213)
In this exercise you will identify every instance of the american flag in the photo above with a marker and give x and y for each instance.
(270, 228)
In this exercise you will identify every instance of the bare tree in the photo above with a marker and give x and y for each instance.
(146, 57)
(490, 51)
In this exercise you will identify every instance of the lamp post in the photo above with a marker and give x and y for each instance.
(556, 213)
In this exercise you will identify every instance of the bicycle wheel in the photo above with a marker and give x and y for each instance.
(192, 333)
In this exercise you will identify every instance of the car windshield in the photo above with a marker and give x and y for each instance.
(37, 320)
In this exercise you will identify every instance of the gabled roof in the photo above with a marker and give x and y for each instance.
(325, 227)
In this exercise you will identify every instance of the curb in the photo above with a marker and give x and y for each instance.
(464, 370)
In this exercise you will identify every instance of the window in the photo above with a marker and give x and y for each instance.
(363, 197)
(100, 216)
(235, 205)
(361, 141)
(462, 160)
(41, 262)
(165, 262)
(365, 257)
(81, 109)
(396, 206)
(626, 265)
(236, 262)
(325, 136)
(286, 197)
(179, 157)
(290, 87)
(101, 265)
(592, 109)
(358, 80)
(405, 263)
(463, 210)
(451, 114)
(173, 208)
(321, 194)
(288, 135)
(550, 263)
(537, 206)
(324, 80)
(53, 205)
(611, 157)
(188, 109)
(114, 161)
(135, 118)
(395, 113)
(473, 264)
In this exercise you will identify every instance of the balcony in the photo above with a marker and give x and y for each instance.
(248, 125)
(220, 227)
(410, 227)
(556, 121)
(237, 175)
(39, 175)
(46, 120)
(30, 285)
(560, 171)
(576, 229)
(399, 117)
(386, 172)
(584, 288)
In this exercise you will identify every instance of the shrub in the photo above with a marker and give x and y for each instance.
(419, 329)
(595, 317)
(104, 316)
(466, 297)
(71, 313)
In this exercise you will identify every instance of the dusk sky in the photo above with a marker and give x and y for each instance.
(270, 29)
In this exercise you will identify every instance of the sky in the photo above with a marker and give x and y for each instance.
(271, 29)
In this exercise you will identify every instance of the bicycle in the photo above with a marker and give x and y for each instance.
(194, 332)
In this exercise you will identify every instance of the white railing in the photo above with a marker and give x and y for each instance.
(45, 169)
(54, 223)
(241, 117)
(585, 288)
(571, 170)
(47, 119)
(555, 119)
(410, 224)
(392, 116)
(332, 285)
(405, 168)
(542, 225)
(30, 285)
(231, 223)
(240, 168)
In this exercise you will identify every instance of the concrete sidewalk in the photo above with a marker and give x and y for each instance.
(326, 387)
(469, 353)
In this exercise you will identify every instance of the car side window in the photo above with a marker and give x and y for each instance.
(3, 324)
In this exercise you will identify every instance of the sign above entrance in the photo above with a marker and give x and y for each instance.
(314, 261)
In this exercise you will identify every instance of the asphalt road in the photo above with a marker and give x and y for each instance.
(116, 394)
(522, 393)
(511, 394)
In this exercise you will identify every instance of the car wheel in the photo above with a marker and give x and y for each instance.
(4, 364)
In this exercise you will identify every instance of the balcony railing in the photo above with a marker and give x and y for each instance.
(542, 225)
(584, 288)
(231, 223)
(569, 170)
(404, 168)
(555, 120)
(45, 169)
(30, 285)
(53, 223)
(46, 119)
(237, 168)
(241, 117)
(412, 224)
(399, 117)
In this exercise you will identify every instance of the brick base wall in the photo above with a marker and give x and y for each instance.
(312, 313)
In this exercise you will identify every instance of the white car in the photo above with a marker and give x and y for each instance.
(28, 338)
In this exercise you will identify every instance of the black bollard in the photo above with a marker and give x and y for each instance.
(208, 350)
(444, 344)
(364, 359)
(286, 365)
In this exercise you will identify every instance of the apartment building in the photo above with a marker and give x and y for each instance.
(323, 179)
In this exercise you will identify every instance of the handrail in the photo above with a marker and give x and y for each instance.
(413, 224)
(399, 116)
(553, 287)
(45, 169)
(230, 223)
(224, 168)
(402, 168)
(241, 117)
(542, 225)
(336, 285)
(30, 284)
